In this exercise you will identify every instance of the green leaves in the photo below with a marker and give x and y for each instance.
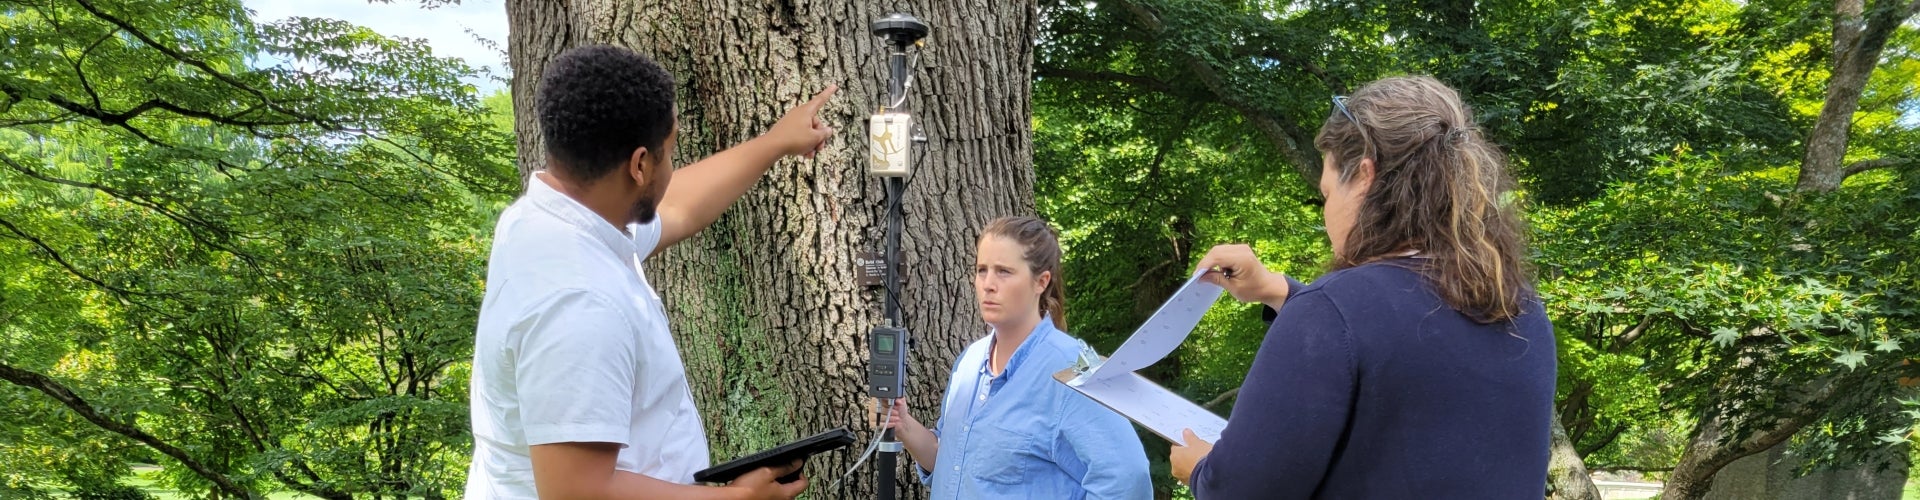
(1724, 336)
(1850, 359)
(262, 244)
(1893, 438)
(1657, 142)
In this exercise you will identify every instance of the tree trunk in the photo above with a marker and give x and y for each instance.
(1858, 38)
(1730, 429)
(765, 304)
(1567, 477)
(1821, 170)
(1726, 433)
(1775, 475)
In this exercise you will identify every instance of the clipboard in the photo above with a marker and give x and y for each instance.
(1114, 383)
(1154, 407)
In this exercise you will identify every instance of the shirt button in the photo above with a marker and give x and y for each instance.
(983, 397)
(956, 468)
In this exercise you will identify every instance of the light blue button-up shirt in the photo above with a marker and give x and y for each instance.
(1025, 435)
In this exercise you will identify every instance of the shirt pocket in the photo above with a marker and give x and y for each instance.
(1005, 455)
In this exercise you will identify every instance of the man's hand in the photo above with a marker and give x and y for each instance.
(800, 132)
(764, 483)
(1237, 269)
(701, 191)
(585, 471)
(1183, 458)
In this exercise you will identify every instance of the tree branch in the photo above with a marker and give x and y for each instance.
(124, 119)
(1847, 25)
(62, 118)
(1631, 468)
(152, 104)
(44, 247)
(60, 392)
(429, 164)
(1612, 434)
(1222, 398)
(80, 61)
(98, 111)
(1333, 83)
(1288, 138)
(193, 225)
(1729, 430)
(1879, 163)
(201, 65)
(1104, 76)
(1632, 334)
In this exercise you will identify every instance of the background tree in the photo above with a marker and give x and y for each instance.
(249, 253)
(1601, 106)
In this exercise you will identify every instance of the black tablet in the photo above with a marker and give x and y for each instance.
(778, 456)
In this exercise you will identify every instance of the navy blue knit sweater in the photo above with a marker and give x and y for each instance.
(1369, 386)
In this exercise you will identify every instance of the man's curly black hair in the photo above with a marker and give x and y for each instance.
(597, 104)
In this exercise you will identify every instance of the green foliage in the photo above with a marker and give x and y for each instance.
(1668, 290)
(111, 492)
(1657, 143)
(1581, 94)
(1142, 184)
(262, 244)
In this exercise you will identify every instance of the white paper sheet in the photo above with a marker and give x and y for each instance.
(1162, 332)
(1154, 407)
(1113, 382)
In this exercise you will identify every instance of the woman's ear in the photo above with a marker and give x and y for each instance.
(1045, 278)
(1362, 177)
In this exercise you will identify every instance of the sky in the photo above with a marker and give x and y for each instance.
(444, 28)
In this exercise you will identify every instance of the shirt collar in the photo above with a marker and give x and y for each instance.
(1040, 331)
(571, 212)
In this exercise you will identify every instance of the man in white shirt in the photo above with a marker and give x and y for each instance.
(578, 390)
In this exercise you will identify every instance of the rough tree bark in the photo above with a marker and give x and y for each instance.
(1738, 423)
(1567, 477)
(1776, 474)
(766, 304)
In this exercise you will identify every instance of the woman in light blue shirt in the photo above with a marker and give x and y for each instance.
(1007, 429)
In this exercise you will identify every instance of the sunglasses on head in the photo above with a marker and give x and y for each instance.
(1366, 140)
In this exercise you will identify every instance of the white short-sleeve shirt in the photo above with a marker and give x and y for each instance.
(573, 346)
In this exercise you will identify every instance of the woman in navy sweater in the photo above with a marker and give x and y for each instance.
(1422, 366)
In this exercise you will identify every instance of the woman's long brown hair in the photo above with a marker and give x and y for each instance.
(1438, 187)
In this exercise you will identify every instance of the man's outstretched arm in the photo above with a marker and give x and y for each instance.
(700, 192)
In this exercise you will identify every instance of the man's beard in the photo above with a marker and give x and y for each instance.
(644, 210)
